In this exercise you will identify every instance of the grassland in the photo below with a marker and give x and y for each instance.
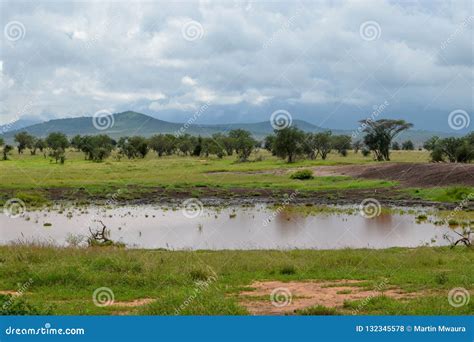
(26, 177)
(63, 280)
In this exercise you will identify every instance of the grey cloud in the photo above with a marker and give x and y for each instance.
(253, 58)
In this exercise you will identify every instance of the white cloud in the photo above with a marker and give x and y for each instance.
(77, 58)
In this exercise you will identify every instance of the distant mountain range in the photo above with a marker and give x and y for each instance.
(133, 123)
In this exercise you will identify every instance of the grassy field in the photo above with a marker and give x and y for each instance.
(63, 280)
(24, 174)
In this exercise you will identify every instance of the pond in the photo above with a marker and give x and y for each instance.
(257, 227)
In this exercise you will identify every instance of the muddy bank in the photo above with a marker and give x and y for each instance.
(133, 195)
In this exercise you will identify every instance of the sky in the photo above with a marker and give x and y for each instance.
(331, 63)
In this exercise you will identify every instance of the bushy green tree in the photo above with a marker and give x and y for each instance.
(341, 143)
(24, 140)
(408, 145)
(289, 143)
(96, 147)
(244, 143)
(57, 142)
(133, 147)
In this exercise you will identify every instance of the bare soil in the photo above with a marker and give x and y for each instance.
(297, 295)
(408, 174)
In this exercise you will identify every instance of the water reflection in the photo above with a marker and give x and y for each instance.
(259, 227)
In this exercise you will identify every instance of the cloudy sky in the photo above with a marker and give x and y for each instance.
(328, 62)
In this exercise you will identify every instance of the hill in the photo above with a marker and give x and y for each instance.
(132, 123)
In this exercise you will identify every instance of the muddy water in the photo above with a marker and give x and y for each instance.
(258, 227)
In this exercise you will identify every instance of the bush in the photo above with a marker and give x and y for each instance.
(302, 175)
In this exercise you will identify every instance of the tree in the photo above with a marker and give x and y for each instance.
(24, 140)
(76, 142)
(430, 144)
(380, 133)
(6, 151)
(226, 143)
(244, 143)
(289, 143)
(184, 144)
(395, 146)
(408, 145)
(268, 143)
(40, 144)
(197, 147)
(459, 150)
(96, 147)
(57, 142)
(356, 146)
(341, 143)
(133, 147)
(322, 142)
(449, 147)
(163, 144)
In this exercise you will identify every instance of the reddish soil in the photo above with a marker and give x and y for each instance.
(280, 298)
(408, 174)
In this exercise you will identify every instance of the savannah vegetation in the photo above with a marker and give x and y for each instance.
(63, 279)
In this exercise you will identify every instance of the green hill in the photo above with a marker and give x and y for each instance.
(132, 123)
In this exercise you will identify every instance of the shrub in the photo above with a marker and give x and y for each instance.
(288, 270)
(302, 175)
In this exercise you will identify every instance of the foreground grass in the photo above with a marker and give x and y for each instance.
(65, 279)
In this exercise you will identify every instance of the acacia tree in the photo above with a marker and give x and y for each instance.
(24, 140)
(57, 142)
(322, 142)
(289, 143)
(380, 133)
(244, 143)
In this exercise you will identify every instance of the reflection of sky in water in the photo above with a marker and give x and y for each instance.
(252, 228)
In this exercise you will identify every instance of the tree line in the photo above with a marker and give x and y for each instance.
(289, 143)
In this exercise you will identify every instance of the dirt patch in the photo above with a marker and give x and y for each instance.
(291, 296)
(133, 303)
(408, 174)
(10, 293)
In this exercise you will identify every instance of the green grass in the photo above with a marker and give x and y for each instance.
(450, 194)
(63, 280)
(25, 176)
